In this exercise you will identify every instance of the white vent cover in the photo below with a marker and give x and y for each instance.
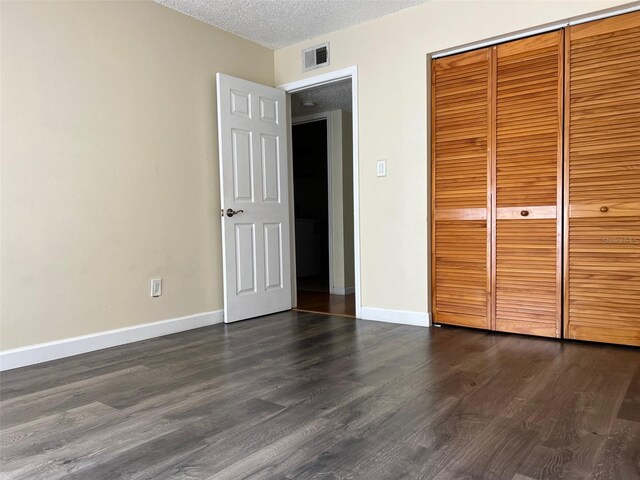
(315, 57)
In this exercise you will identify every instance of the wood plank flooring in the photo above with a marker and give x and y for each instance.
(324, 302)
(304, 396)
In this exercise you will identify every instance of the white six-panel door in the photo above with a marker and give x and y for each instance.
(253, 182)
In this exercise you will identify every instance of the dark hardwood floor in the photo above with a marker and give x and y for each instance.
(298, 395)
(324, 302)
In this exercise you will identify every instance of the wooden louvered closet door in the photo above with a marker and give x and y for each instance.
(460, 174)
(602, 162)
(528, 179)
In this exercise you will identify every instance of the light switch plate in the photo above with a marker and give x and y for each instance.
(381, 168)
(156, 287)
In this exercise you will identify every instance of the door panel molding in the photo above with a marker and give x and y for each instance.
(461, 214)
(527, 212)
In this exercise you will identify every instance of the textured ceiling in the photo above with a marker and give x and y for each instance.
(332, 96)
(277, 23)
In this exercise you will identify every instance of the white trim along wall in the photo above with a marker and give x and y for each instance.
(67, 347)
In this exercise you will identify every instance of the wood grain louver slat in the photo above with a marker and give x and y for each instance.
(602, 180)
(536, 184)
(528, 181)
(460, 138)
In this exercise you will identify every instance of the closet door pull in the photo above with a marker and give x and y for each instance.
(524, 213)
(604, 209)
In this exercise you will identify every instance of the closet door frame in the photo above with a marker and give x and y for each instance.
(565, 182)
(561, 200)
(492, 176)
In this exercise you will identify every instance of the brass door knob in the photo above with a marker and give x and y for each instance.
(604, 209)
(524, 213)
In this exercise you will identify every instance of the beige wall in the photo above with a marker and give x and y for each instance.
(391, 57)
(110, 165)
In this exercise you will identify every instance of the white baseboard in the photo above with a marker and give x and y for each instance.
(342, 290)
(421, 319)
(43, 352)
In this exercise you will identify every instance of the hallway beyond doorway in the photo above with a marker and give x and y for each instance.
(324, 302)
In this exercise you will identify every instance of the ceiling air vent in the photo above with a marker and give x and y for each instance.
(315, 57)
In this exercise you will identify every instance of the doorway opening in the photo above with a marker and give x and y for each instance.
(323, 193)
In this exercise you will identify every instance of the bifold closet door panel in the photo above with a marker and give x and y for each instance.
(602, 152)
(528, 179)
(460, 168)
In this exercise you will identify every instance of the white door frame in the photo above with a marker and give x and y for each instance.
(316, 117)
(304, 84)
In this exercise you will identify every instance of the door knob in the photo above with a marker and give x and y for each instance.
(604, 209)
(231, 213)
(524, 213)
